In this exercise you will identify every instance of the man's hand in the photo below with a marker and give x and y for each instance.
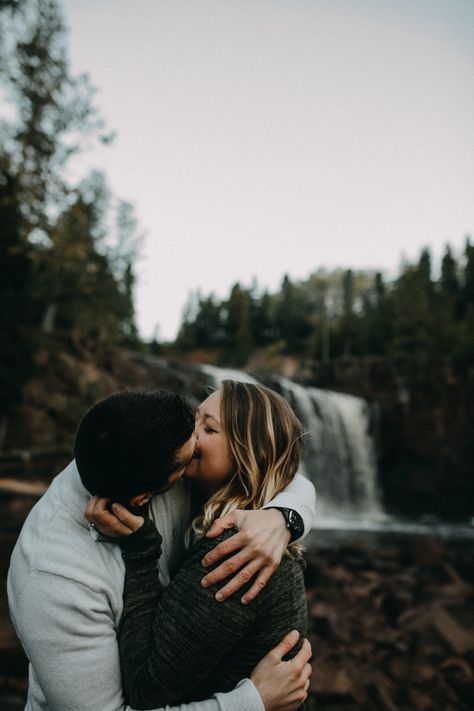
(261, 541)
(113, 525)
(283, 686)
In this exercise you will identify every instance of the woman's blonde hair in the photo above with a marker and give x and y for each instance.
(265, 438)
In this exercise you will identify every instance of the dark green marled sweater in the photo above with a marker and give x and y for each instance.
(179, 644)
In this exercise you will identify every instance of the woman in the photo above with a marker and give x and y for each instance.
(179, 643)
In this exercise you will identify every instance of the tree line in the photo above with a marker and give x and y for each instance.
(66, 248)
(413, 318)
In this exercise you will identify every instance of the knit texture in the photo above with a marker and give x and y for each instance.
(179, 643)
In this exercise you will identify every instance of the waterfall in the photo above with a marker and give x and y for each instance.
(338, 453)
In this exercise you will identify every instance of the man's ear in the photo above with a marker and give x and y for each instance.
(140, 499)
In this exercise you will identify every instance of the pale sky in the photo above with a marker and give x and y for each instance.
(258, 137)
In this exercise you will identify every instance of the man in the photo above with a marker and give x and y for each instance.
(65, 587)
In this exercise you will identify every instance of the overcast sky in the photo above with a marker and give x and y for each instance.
(257, 137)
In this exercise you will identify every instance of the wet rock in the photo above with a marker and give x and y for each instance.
(332, 685)
(394, 603)
(380, 690)
(428, 551)
(460, 640)
(394, 636)
(324, 620)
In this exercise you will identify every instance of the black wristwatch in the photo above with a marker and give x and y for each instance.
(294, 522)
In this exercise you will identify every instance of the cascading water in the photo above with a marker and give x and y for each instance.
(338, 454)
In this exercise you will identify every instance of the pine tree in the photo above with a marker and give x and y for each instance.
(16, 362)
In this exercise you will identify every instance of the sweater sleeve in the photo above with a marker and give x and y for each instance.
(171, 639)
(299, 495)
(69, 635)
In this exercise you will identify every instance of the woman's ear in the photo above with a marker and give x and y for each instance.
(141, 499)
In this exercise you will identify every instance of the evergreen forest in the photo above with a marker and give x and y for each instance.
(66, 248)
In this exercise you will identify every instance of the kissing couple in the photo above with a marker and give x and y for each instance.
(109, 603)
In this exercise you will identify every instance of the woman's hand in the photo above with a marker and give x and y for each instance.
(262, 540)
(114, 524)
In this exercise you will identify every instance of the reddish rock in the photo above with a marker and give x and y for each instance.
(460, 640)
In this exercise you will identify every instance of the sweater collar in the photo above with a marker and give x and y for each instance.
(73, 493)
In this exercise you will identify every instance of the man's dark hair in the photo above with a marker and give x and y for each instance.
(127, 444)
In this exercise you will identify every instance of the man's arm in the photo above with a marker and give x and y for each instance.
(74, 652)
(261, 541)
(299, 495)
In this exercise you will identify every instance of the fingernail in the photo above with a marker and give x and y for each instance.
(244, 601)
(115, 507)
(204, 562)
(204, 583)
(219, 596)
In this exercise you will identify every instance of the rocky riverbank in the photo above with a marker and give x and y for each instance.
(392, 626)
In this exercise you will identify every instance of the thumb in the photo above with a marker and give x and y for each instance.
(286, 645)
(127, 518)
(230, 520)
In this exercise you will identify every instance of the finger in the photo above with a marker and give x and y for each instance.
(227, 568)
(286, 645)
(236, 542)
(258, 585)
(127, 518)
(222, 524)
(108, 523)
(116, 530)
(303, 655)
(101, 504)
(95, 505)
(242, 577)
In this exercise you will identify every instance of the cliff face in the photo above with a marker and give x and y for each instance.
(69, 380)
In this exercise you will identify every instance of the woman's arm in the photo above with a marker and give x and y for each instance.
(171, 639)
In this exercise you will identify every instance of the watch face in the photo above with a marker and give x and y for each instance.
(295, 523)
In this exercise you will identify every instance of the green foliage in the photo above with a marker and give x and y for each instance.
(66, 251)
(414, 320)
